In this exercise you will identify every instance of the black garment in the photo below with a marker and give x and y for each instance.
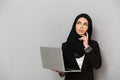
(73, 48)
(91, 60)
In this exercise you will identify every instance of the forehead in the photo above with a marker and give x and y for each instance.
(82, 19)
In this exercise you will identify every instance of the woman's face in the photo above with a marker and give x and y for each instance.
(81, 26)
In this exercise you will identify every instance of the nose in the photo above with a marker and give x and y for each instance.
(81, 26)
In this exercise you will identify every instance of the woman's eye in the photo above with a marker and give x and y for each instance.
(78, 22)
(86, 24)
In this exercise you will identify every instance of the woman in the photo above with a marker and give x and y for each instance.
(80, 51)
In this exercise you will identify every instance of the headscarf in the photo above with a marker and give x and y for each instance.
(74, 43)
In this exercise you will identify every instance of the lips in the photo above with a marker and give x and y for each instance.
(81, 31)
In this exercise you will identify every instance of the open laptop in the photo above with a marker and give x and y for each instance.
(52, 58)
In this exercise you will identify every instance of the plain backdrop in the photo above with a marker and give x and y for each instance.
(25, 25)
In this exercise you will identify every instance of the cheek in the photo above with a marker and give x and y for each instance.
(85, 29)
(77, 28)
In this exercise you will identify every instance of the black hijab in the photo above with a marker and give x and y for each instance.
(75, 44)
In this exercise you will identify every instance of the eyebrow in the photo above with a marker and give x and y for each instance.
(80, 21)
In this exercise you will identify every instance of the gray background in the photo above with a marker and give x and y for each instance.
(27, 24)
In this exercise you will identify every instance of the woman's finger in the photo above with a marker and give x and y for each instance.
(87, 34)
(82, 38)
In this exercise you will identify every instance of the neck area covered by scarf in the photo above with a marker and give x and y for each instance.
(76, 45)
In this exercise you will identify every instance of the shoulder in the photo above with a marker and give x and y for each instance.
(94, 43)
(64, 45)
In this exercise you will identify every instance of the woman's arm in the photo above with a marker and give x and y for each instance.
(94, 55)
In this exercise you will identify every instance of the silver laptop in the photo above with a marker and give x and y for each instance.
(52, 58)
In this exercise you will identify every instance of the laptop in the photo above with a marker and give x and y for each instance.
(52, 59)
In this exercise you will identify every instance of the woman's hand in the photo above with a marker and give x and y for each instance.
(60, 72)
(85, 40)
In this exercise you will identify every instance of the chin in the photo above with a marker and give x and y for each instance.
(81, 34)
